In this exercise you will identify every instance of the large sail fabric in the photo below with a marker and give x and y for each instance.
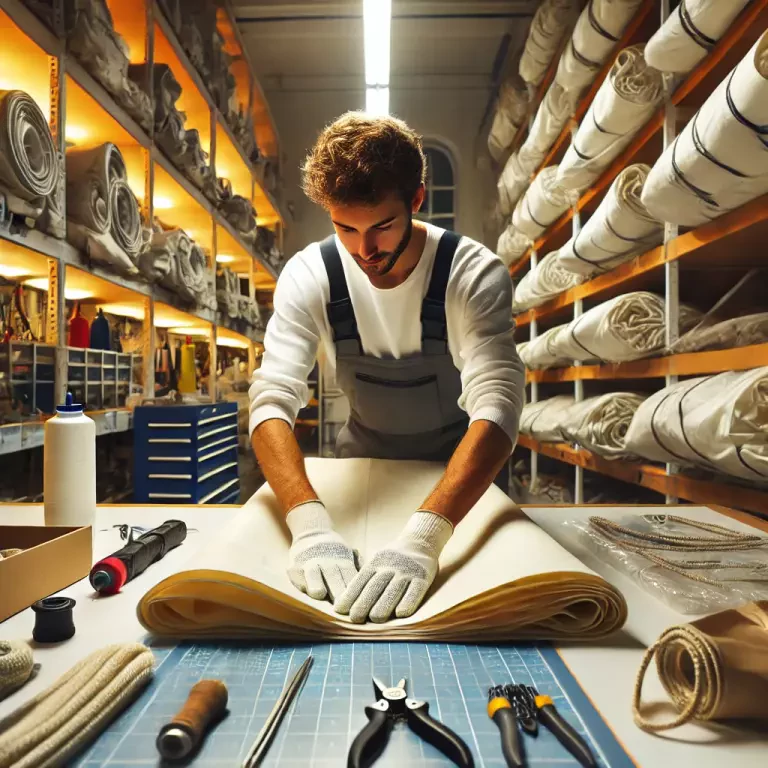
(620, 228)
(510, 112)
(720, 159)
(627, 327)
(543, 283)
(543, 421)
(552, 20)
(600, 423)
(714, 422)
(543, 203)
(511, 245)
(690, 33)
(541, 352)
(595, 35)
(500, 575)
(623, 104)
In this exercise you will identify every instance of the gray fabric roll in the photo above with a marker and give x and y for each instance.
(28, 160)
(690, 32)
(228, 292)
(240, 213)
(186, 275)
(100, 247)
(623, 104)
(719, 160)
(552, 20)
(737, 332)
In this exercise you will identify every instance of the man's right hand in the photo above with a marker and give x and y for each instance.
(320, 562)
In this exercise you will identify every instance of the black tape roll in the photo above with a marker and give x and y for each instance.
(53, 619)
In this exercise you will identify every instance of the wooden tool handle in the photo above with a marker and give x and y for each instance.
(206, 702)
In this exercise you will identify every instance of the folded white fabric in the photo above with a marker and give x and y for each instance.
(715, 422)
(51, 728)
(623, 104)
(551, 21)
(597, 31)
(690, 32)
(543, 420)
(541, 352)
(736, 332)
(600, 423)
(511, 245)
(620, 228)
(627, 327)
(512, 182)
(551, 117)
(543, 203)
(511, 108)
(720, 159)
(543, 283)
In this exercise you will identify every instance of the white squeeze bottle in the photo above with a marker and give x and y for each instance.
(69, 467)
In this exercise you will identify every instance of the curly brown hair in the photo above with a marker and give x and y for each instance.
(360, 159)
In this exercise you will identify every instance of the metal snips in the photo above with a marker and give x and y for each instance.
(391, 706)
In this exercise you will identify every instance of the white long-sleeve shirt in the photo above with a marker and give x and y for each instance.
(478, 308)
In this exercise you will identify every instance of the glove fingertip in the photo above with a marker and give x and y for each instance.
(411, 600)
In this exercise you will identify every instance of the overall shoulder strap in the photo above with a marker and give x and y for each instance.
(341, 314)
(434, 328)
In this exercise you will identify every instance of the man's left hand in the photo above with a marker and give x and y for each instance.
(398, 576)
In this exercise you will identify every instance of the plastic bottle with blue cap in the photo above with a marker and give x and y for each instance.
(69, 467)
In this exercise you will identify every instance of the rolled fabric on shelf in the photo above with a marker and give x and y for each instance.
(623, 104)
(543, 283)
(619, 229)
(600, 424)
(543, 420)
(595, 35)
(719, 160)
(513, 181)
(552, 20)
(715, 422)
(521, 347)
(28, 159)
(511, 108)
(228, 292)
(186, 275)
(628, 327)
(52, 220)
(193, 161)
(100, 247)
(690, 32)
(240, 213)
(89, 181)
(125, 219)
(541, 352)
(511, 245)
(543, 203)
(737, 332)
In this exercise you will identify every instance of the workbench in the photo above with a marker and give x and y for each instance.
(605, 670)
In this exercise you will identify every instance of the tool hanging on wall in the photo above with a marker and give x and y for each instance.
(110, 574)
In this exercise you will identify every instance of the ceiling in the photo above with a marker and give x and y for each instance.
(319, 45)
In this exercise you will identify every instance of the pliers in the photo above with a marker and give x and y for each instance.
(392, 705)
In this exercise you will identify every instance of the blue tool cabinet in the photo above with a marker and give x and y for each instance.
(186, 454)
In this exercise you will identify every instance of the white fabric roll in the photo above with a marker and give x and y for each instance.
(511, 109)
(716, 422)
(511, 185)
(551, 117)
(623, 104)
(627, 327)
(543, 203)
(543, 283)
(511, 245)
(690, 32)
(540, 353)
(543, 420)
(720, 159)
(600, 424)
(597, 31)
(551, 21)
(620, 228)
(521, 347)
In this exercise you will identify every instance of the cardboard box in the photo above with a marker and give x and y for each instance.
(54, 558)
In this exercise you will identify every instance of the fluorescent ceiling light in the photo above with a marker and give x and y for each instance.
(225, 258)
(9, 271)
(70, 294)
(162, 203)
(377, 101)
(377, 18)
(75, 133)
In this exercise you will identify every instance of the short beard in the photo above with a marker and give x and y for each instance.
(394, 256)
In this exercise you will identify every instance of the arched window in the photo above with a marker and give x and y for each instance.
(439, 201)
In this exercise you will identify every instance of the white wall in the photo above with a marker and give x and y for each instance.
(449, 116)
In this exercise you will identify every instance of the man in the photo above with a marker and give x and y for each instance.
(418, 324)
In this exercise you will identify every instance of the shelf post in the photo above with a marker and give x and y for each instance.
(578, 384)
(56, 326)
(212, 363)
(148, 348)
(534, 325)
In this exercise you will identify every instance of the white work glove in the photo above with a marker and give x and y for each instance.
(319, 561)
(398, 576)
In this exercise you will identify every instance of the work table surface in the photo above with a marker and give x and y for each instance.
(605, 670)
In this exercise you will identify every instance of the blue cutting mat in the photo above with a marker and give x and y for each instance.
(328, 713)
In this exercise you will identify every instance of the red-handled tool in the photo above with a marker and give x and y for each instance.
(110, 574)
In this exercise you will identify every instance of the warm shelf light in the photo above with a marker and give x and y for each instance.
(225, 258)
(161, 203)
(11, 272)
(163, 321)
(75, 133)
(123, 310)
(224, 341)
(70, 294)
(185, 330)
